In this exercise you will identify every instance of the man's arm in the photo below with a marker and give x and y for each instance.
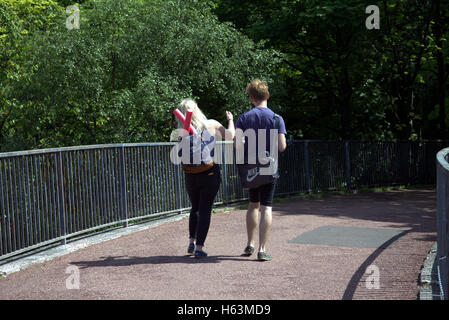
(282, 142)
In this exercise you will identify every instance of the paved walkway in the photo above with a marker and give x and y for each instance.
(319, 251)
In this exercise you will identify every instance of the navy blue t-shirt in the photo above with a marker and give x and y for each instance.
(259, 118)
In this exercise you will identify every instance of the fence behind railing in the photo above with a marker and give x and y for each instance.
(48, 196)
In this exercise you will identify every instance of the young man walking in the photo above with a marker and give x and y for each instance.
(260, 199)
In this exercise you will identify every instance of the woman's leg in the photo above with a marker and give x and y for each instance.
(194, 195)
(210, 183)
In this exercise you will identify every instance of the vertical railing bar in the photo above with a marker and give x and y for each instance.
(80, 190)
(123, 187)
(74, 212)
(40, 187)
(43, 182)
(112, 194)
(155, 185)
(88, 191)
(9, 226)
(133, 184)
(178, 187)
(94, 188)
(69, 191)
(170, 173)
(347, 165)
(99, 185)
(135, 164)
(167, 193)
(32, 212)
(3, 215)
(225, 174)
(19, 203)
(37, 199)
(147, 180)
(140, 181)
(161, 165)
(14, 206)
(165, 168)
(160, 175)
(76, 202)
(307, 166)
(50, 193)
(111, 185)
(82, 185)
(91, 188)
(115, 166)
(152, 178)
(83, 179)
(129, 180)
(62, 218)
(54, 226)
(55, 198)
(106, 186)
(22, 187)
(95, 165)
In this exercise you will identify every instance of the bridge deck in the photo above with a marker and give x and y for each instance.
(328, 248)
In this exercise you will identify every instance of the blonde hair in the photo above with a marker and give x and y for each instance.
(258, 90)
(199, 120)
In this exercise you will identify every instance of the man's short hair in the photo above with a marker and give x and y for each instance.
(258, 89)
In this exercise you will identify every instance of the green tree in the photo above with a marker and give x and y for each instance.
(119, 77)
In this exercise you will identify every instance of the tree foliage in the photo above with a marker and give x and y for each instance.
(120, 75)
(344, 81)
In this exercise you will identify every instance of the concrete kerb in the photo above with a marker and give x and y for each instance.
(429, 288)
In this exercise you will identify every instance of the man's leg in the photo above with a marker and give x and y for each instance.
(252, 220)
(265, 226)
(266, 204)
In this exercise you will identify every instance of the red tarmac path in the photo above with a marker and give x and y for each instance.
(152, 264)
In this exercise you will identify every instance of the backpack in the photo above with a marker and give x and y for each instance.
(200, 152)
(249, 174)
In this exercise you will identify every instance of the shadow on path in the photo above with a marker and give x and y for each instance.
(121, 261)
(355, 280)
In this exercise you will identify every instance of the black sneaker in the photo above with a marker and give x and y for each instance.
(249, 250)
(191, 248)
(200, 254)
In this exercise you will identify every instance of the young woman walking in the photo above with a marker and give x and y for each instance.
(203, 181)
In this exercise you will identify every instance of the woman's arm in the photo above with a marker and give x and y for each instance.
(226, 134)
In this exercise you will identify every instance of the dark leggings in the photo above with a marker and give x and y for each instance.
(202, 189)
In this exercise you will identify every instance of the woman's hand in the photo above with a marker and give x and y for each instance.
(229, 116)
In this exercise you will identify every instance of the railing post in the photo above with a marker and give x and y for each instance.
(225, 173)
(60, 178)
(347, 166)
(123, 189)
(307, 166)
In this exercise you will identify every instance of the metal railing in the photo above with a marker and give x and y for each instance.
(48, 196)
(442, 221)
